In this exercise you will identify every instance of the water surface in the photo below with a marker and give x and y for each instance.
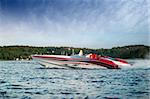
(27, 80)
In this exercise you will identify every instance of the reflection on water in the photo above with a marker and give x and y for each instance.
(27, 80)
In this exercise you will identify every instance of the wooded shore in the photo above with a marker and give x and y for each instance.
(25, 52)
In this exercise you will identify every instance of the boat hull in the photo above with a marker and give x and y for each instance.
(60, 61)
(56, 63)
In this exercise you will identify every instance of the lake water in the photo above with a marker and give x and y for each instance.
(27, 80)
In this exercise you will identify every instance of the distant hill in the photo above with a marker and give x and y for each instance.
(25, 52)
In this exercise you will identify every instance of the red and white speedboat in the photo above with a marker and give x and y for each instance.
(80, 61)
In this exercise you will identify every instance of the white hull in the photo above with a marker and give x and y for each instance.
(66, 64)
(77, 61)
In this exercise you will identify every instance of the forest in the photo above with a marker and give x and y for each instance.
(25, 52)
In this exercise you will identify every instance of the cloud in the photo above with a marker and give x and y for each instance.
(82, 23)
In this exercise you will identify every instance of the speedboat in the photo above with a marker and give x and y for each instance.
(80, 61)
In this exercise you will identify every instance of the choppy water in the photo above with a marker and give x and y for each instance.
(26, 80)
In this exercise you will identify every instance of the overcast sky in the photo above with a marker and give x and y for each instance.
(77, 23)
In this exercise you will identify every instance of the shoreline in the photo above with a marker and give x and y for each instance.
(25, 52)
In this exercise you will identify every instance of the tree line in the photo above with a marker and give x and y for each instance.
(25, 52)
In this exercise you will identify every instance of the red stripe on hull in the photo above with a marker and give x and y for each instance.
(101, 61)
(58, 58)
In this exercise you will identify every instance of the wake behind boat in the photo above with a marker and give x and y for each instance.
(91, 61)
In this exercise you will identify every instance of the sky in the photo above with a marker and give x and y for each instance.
(75, 23)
